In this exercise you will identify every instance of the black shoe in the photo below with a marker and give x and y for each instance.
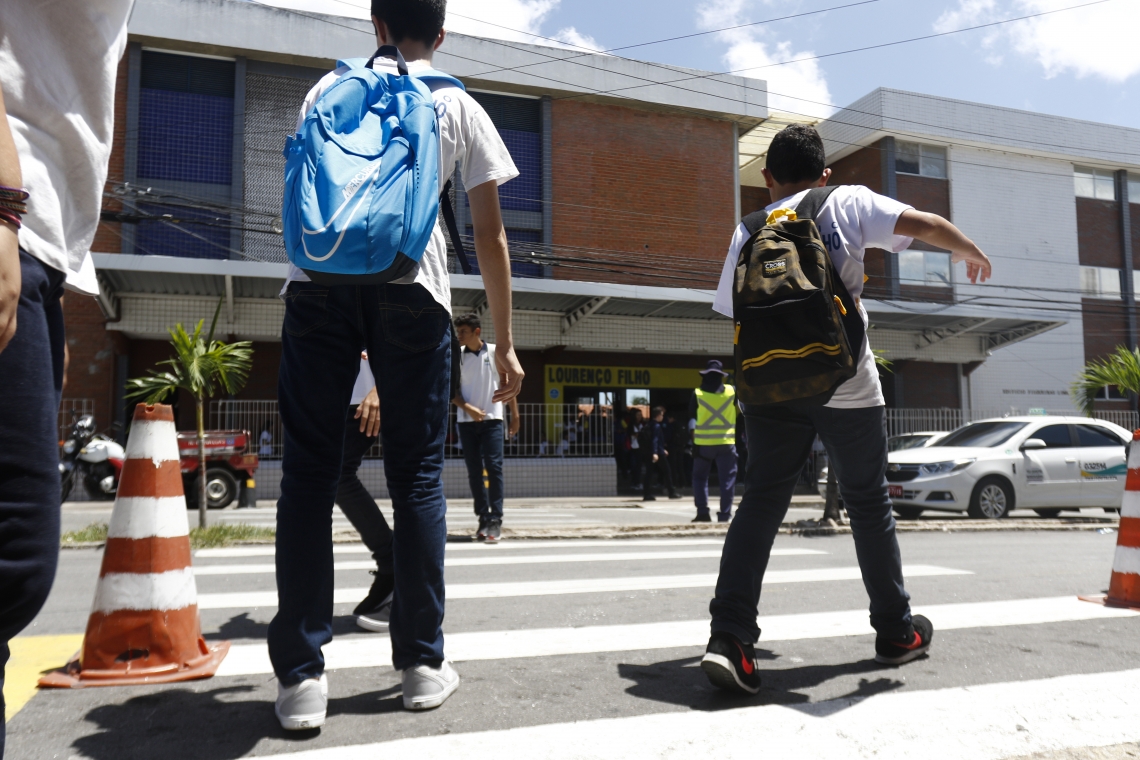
(481, 534)
(721, 517)
(382, 586)
(674, 495)
(493, 532)
(702, 517)
(730, 664)
(896, 652)
(650, 497)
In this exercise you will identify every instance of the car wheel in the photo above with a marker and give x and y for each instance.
(908, 513)
(1047, 512)
(992, 499)
(221, 489)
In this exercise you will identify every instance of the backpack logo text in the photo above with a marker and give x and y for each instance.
(775, 268)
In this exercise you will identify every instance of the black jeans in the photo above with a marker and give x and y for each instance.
(408, 339)
(31, 380)
(483, 449)
(779, 441)
(355, 501)
(664, 476)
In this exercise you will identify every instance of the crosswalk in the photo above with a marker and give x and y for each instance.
(525, 604)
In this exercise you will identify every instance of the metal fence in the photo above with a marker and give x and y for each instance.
(70, 408)
(901, 421)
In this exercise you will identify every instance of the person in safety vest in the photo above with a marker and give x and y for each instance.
(712, 420)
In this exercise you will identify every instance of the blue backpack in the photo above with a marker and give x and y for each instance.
(362, 177)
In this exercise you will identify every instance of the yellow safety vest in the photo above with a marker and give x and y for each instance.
(716, 417)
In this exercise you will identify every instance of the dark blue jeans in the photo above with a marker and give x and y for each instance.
(355, 501)
(779, 441)
(31, 380)
(483, 448)
(725, 458)
(408, 338)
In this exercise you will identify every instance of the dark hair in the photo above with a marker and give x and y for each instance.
(418, 20)
(796, 155)
(468, 320)
(658, 410)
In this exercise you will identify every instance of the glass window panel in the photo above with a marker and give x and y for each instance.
(1109, 282)
(907, 158)
(933, 162)
(1095, 435)
(938, 269)
(912, 267)
(1085, 184)
(1134, 188)
(1090, 282)
(1055, 436)
(982, 434)
(1105, 186)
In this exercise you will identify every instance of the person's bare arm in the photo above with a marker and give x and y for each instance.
(933, 229)
(513, 428)
(9, 239)
(495, 265)
(475, 412)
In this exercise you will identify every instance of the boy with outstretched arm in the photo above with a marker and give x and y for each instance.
(852, 425)
(405, 327)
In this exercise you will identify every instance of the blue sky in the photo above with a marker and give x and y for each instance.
(1082, 63)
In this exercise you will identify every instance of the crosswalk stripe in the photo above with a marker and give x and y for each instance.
(233, 552)
(538, 559)
(374, 651)
(256, 599)
(982, 722)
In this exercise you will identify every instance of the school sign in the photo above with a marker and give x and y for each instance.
(558, 377)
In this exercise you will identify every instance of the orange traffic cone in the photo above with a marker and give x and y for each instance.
(144, 626)
(1124, 588)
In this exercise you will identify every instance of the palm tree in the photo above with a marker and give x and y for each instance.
(200, 366)
(1120, 368)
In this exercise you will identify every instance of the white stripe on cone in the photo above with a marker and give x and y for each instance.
(1127, 560)
(149, 517)
(156, 440)
(172, 590)
(1131, 505)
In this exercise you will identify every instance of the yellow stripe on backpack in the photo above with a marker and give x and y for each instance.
(788, 353)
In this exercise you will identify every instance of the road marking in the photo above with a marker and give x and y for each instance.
(374, 651)
(984, 722)
(269, 551)
(536, 559)
(31, 656)
(257, 599)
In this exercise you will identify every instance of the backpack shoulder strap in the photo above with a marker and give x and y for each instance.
(351, 63)
(755, 221)
(433, 76)
(811, 204)
(453, 228)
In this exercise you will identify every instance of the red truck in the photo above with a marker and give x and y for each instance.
(230, 465)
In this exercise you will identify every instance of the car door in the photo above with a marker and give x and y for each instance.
(1103, 467)
(1052, 474)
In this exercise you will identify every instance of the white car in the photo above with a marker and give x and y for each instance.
(915, 440)
(988, 468)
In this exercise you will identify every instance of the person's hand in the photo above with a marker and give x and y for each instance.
(978, 268)
(476, 414)
(513, 427)
(510, 373)
(9, 282)
(369, 414)
(655, 458)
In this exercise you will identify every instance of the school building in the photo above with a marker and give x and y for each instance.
(633, 176)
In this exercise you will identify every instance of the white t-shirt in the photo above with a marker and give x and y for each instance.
(58, 63)
(479, 379)
(466, 136)
(853, 219)
(365, 382)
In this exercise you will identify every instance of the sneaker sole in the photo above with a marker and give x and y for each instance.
(430, 703)
(723, 675)
(371, 624)
(913, 654)
(301, 722)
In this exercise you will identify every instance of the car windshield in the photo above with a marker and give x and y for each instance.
(982, 434)
(900, 442)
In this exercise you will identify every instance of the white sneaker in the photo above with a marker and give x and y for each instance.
(426, 687)
(303, 706)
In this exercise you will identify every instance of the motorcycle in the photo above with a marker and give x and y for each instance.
(93, 458)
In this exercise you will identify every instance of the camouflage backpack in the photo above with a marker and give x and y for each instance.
(798, 330)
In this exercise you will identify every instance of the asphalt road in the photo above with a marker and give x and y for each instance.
(612, 639)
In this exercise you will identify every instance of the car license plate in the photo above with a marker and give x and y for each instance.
(895, 492)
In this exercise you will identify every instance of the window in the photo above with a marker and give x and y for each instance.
(1095, 435)
(1094, 183)
(1055, 436)
(925, 160)
(1100, 282)
(924, 268)
(1134, 188)
(1111, 393)
(982, 434)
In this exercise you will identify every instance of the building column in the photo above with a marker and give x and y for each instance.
(547, 181)
(1126, 283)
(237, 170)
(891, 190)
(131, 146)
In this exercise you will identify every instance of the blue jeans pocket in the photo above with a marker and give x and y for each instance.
(306, 308)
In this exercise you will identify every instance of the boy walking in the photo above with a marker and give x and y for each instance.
(480, 420)
(405, 327)
(851, 426)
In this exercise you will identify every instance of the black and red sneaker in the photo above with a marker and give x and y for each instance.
(730, 664)
(896, 652)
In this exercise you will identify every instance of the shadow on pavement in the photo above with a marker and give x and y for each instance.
(682, 682)
(242, 627)
(205, 725)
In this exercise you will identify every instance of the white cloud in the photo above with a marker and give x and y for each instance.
(1097, 41)
(798, 88)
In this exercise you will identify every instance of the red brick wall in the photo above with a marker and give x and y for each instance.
(863, 167)
(928, 385)
(1105, 326)
(91, 351)
(653, 191)
(753, 199)
(925, 193)
(1098, 233)
(107, 237)
(1134, 210)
